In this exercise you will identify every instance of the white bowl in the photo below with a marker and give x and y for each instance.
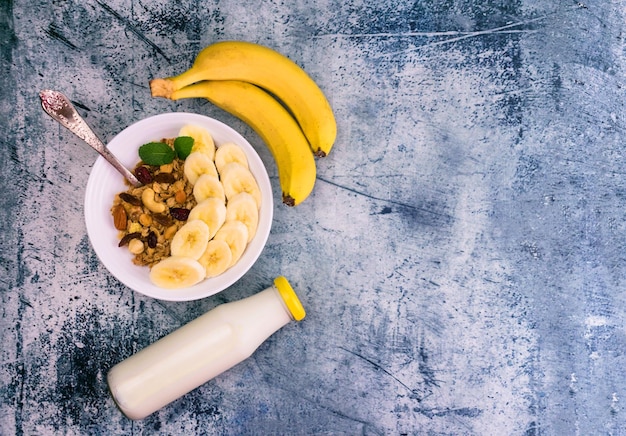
(105, 183)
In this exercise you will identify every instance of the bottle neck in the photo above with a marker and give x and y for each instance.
(264, 312)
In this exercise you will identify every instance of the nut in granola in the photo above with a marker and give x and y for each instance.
(119, 217)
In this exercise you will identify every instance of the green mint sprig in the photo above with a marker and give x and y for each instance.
(156, 153)
(159, 153)
(183, 146)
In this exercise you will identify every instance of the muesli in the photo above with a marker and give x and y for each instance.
(196, 212)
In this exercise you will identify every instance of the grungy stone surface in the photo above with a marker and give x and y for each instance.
(461, 260)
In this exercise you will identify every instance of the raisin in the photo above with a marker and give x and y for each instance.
(152, 239)
(162, 219)
(128, 237)
(143, 174)
(130, 199)
(179, 213)
(164, 178)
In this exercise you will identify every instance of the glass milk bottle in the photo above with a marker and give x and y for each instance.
(200, 350)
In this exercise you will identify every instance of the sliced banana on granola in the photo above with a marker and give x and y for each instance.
(216, 258)
(236, 178)
(191, 239)
(197, 164)
(202, 139)
(208, 186)
(230, 152)
(212, 212)
(177, 272)
(235, 234)
(242, 207)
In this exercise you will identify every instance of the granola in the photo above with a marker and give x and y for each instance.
(154, 211)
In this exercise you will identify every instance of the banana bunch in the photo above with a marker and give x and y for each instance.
(273, 95)
(224, 220)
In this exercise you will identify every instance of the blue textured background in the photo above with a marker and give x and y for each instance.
(461, 258)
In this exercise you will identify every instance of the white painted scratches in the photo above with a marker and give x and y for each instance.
(450, 36)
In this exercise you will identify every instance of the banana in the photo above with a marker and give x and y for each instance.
(236, 178)
(196, 164)
(212, 212)
(273, 123)
(235, 234)
(242, 207)
(229, 152)
(216, 258)
(270, 70)
(177, 272)
(202, 139)
(208, 186)
(191, 239)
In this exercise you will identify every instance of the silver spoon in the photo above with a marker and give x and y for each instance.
(59, 107)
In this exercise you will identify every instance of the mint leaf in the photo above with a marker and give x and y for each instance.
(156, 153)
(183, 146)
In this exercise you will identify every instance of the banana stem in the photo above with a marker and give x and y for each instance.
(161, 88)
(168, 86)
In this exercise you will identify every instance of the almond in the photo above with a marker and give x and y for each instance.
(170, 231)
(180, 196)
(119, 217)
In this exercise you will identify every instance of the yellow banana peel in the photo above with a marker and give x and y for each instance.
(267, 69)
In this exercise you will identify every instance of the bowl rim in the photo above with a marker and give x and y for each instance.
(103, 235)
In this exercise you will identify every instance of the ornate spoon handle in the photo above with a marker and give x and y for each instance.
(59, 107)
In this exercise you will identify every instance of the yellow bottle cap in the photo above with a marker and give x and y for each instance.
(290, 298)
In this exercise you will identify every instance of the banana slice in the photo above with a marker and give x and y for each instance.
(235, 234)
(202, 139)
(191, 239)
(197, 164)
(212, 212)
(177, 272)
(207, 186)
(236, 178)
(242, 207)
(230, 152)
(216, 258)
